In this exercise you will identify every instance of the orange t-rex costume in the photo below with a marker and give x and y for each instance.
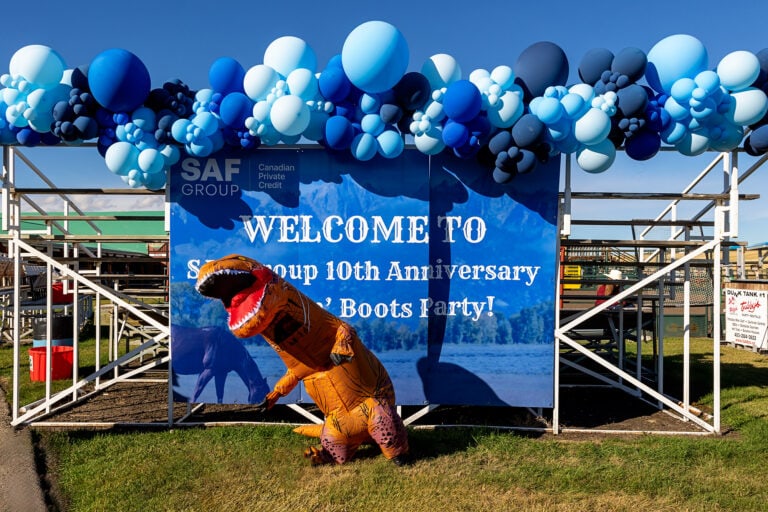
(346, 381)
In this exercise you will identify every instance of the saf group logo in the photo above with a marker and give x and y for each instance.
(210, 177)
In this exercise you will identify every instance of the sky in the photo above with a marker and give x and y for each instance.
(180, 40)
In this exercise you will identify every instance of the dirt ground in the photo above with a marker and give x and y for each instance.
(584, 413)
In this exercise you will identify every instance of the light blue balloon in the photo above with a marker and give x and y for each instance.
(179, 130)
(391, 144)
(682, 89)
(549, 111)
(508, 110)
(372, 123)
(289, 115)
(598, 158)
(674, 133)
(593, 127)
(375, 56)
(369, 104)
(259, 81)
(675, 57)
(121, 157)
(676, 111)
(574, 105)
(430, 142)
(151, 161)
(144, 118)
(504, 76)
(738, 70)
(692, 144)
(748, 107)
(287, 53)
(302, 83)
(38, 64)
(708, 81)
(364, 146)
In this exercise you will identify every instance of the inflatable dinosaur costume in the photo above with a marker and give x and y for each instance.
(346, 381)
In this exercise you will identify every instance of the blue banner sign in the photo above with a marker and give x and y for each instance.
(447, 276)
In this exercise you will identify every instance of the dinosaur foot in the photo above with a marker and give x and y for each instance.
(317, 456)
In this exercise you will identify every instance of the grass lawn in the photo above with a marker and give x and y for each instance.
(261, 468)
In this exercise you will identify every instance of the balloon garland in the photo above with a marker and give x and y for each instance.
(364, 101)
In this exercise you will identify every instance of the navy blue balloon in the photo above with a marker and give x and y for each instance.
(412, 91)
(79, 78)
(539, 66)
(758, 140)
(527, 162)
(593, 64)
(632, 100)
(527, 131)
(462, 101)
(501, 176)
(390, 113)
(644, 144)
(762, 78)
(500, 142)
(630, 62)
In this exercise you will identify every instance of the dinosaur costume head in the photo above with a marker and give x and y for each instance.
(248, 289)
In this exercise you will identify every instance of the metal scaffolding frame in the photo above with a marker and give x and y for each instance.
(722, 207)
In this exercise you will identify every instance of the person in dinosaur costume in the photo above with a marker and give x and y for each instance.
(345, 379)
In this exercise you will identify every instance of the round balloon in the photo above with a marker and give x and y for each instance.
(375, 56)
(462, 101)
(593, 64)
(289, 115)
(287, 53)
(118, 80)
(259, 81)
(597, 158)
(674, 57)
(738, 70)
(440, 70)
(226, 75)
(38, 64)
(539, 66)
(630, 62)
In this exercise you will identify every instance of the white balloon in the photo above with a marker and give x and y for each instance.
(290, 115)
(303, 83)
(259, 81)
(738, 70)
(597, 158)
(440, 70)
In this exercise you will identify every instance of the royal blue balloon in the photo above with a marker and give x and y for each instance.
(632, 100)
(412, 91)
(644, 144)
(539, 66)
(28, 137)
(462, 101)
(593, 64)
(339, 132)
(527, 131)
(630, 62)
(118, 80)
(455, 134)
(226, 75)
(235, 108)
(334, 84)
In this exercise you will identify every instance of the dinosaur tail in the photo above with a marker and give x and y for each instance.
(309, 430)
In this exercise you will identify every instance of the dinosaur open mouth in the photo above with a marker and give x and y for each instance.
(242, 293)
